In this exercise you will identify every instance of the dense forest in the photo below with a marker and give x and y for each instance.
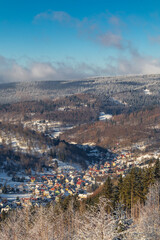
(124, 129)
(128, 89)
(74, 109)
(130, 190)
(16, 159)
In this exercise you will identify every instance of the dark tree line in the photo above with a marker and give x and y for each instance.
(130, 190)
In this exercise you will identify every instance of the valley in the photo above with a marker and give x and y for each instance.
(55, 147)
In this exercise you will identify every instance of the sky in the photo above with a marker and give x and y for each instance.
(75, 39)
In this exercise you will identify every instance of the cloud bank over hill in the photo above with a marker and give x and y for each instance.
(12, 71)
(103, 33)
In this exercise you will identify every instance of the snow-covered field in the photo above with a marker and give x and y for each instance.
(13, 196)
(5, 179)
(59, 130)
(155, 155)
(67, 166)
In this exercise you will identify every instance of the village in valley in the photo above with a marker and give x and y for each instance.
(61, 179)
(21, 186)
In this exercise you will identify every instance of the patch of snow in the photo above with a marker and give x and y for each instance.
(59, 130)
(13, 196)
(155, 155)
(89, 144)
(67, 166)
(156, 127)
(104, 116)
(147, 92)
(74, 143)
(56, 134)
(118, 101)
(77, 166)
(142, 148)
(143, 157)
(61, 108)
(4, 177)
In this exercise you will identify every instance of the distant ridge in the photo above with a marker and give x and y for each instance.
(22, 91)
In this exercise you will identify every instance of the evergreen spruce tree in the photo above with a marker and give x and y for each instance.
(108, 189)
(133, 188)
(148, 178)
(108, 193)
(157, 170)
(120, 189)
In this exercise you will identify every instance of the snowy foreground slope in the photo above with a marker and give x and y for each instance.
(93, 224)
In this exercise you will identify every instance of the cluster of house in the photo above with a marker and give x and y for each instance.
(45, 188)
(61, 184)
(129, 157)
(42, 189)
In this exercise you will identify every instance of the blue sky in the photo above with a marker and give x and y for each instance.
(71, 39)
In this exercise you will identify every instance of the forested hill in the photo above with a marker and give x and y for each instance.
(124, 129)
(137, 91)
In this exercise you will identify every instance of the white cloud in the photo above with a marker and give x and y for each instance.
(155, 39)
(59, 16)
(110, 39)
(114, 20)
(11, 71)
(89, 28)
(135, 64)
(42, 70)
